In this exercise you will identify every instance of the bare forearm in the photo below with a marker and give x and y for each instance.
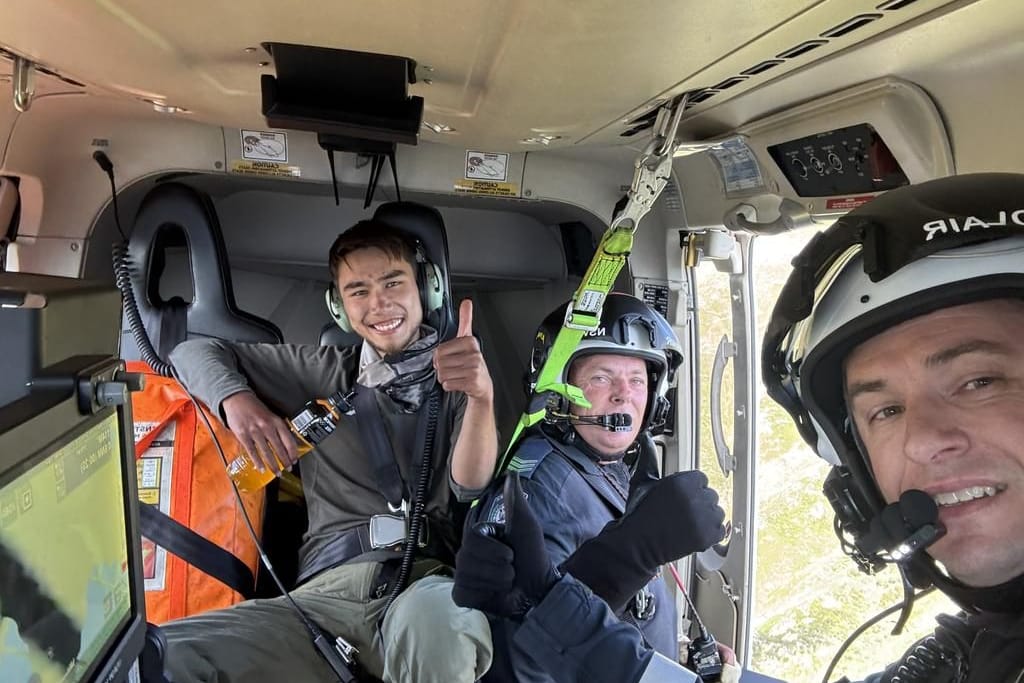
(476, 451)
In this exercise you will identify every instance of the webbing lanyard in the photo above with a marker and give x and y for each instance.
(652, 171)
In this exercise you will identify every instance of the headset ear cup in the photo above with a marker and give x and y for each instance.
(433, 294)
(335, 308)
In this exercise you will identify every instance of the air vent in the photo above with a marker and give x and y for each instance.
(645, 121)
(762, 67)
(636, 129)
(647, 118)
(895, 4)
(700, 96)
(850, 25)
(801, 49)
(728, 83)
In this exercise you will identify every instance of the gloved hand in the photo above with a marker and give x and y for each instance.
(503, 567)
(665, 520)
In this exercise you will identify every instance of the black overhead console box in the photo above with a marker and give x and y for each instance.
(348, 97)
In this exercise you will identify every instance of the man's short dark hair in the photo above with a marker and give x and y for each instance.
(373, 234)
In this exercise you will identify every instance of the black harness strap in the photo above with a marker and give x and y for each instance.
(374, 436)
(206, 556)
(348, 544)
(375, 439)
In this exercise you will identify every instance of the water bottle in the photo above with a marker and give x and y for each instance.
(314, 423)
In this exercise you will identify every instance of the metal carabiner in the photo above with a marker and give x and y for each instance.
(668, 135)
(654, 165)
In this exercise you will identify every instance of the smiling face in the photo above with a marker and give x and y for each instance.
(939, 404)
(381, 298)
(612, 384)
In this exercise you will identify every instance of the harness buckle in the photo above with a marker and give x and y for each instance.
(643, 606)
(387, 531)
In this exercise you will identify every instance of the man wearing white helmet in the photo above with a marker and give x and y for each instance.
(897, 345)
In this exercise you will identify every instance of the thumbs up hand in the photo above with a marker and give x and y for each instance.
(459, 364)
(465, 319)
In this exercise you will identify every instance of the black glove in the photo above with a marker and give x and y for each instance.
(664, 520)
(503, 567)
(485, 578)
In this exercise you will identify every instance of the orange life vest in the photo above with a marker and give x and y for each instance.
(181, 473)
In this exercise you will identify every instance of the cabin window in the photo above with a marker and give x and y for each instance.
(808, 596)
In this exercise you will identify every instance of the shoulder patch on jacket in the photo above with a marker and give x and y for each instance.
(529, 456)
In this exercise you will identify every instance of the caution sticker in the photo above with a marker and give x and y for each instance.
(271, 169)
(847, 202)
(486, 189)
(486, 166)
(262, 145)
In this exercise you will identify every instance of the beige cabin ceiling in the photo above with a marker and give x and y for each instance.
(500, 70)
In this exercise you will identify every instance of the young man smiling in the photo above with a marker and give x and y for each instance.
(387, 291)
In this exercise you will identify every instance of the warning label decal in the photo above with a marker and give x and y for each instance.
(486, 166)
(261, 145)
(271, 169)
(486, 189)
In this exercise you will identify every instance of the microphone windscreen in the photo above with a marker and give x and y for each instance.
(898, 522)
(918, 509)
(894, 525)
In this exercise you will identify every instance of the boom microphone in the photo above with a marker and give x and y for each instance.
(905, 527)
(613, 422)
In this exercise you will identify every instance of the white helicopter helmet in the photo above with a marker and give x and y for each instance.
(908, 252)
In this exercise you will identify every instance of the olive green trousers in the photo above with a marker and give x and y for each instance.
(425, 637)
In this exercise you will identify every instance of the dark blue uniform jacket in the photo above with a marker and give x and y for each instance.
(573, 501)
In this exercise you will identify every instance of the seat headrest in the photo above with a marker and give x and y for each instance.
(425, 224)
(213, 312)
(332, 335)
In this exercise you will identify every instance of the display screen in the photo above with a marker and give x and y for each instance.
(65, 593)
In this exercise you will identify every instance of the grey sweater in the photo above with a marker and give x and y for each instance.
(338, 481)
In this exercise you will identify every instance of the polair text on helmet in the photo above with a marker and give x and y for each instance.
(957, 225)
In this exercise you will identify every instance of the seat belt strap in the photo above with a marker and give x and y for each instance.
(199, 552)
(374, 436)
(378, 447)
(652, 172)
